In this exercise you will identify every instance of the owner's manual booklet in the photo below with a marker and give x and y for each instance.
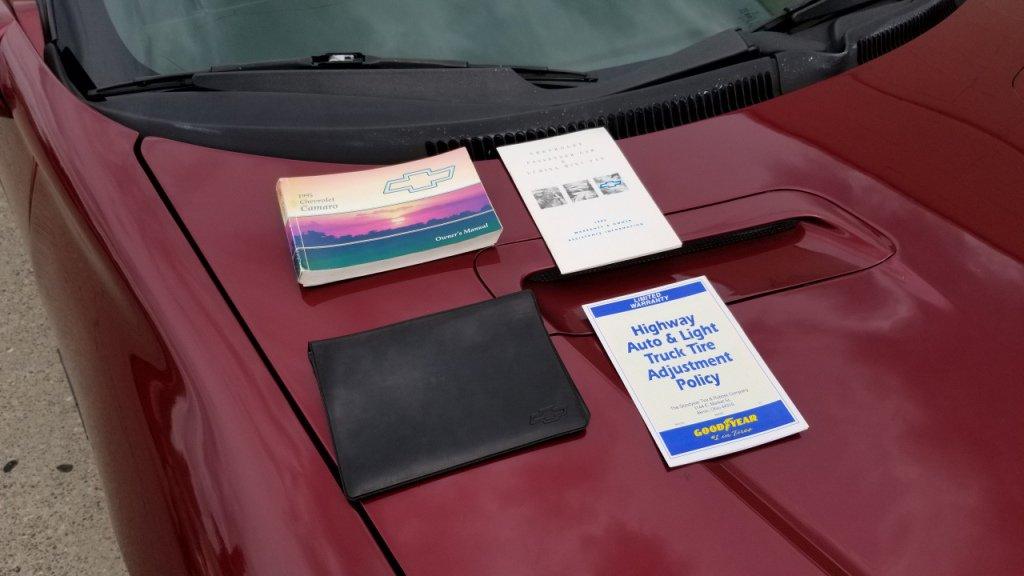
(357, 223)
(587, 201)
(700, 385)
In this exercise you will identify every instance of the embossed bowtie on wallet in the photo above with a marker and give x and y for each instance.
(436, 393)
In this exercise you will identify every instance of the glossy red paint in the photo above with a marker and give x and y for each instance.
(206, 469)
(27, 13)
(892, 314)
(915, 339)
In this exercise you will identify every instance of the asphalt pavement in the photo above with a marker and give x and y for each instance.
(53, 512)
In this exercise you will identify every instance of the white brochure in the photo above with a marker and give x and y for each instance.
(587, 201)
(698, 382)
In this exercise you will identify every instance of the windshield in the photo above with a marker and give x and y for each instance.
(168, 36)
(387, 80)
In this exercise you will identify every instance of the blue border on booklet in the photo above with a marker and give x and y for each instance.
(648, 299)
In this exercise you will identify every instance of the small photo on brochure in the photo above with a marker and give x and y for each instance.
(549, 197)
(580, 191)
(610, 184)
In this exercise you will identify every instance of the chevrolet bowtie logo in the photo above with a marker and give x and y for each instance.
(547, 415)
(419, 180)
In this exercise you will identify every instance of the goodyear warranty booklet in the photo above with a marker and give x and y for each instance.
(698, 382)
(587, 202)
(346, 225)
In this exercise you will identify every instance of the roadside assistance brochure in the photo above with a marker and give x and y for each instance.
(586, 200)
(698, 382)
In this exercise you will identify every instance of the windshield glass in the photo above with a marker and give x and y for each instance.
(269, 92)
(168, 36)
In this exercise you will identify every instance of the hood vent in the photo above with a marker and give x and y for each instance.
(898, 34)
(724, 98)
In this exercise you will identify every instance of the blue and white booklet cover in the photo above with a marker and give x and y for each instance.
(587, 201)
(696, 379)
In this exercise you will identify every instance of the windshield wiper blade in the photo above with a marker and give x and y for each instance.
(343, 60)
(329, 61)
(326, 61)
(144, 84)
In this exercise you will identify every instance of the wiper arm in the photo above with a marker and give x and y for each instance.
(144, 84)
(331, 61)
(809, 10)
(343, 60)
(359, 60)
(540, 74)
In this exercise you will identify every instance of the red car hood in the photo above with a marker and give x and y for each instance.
(892, 313)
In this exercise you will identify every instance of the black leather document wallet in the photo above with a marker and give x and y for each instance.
(429, 395)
